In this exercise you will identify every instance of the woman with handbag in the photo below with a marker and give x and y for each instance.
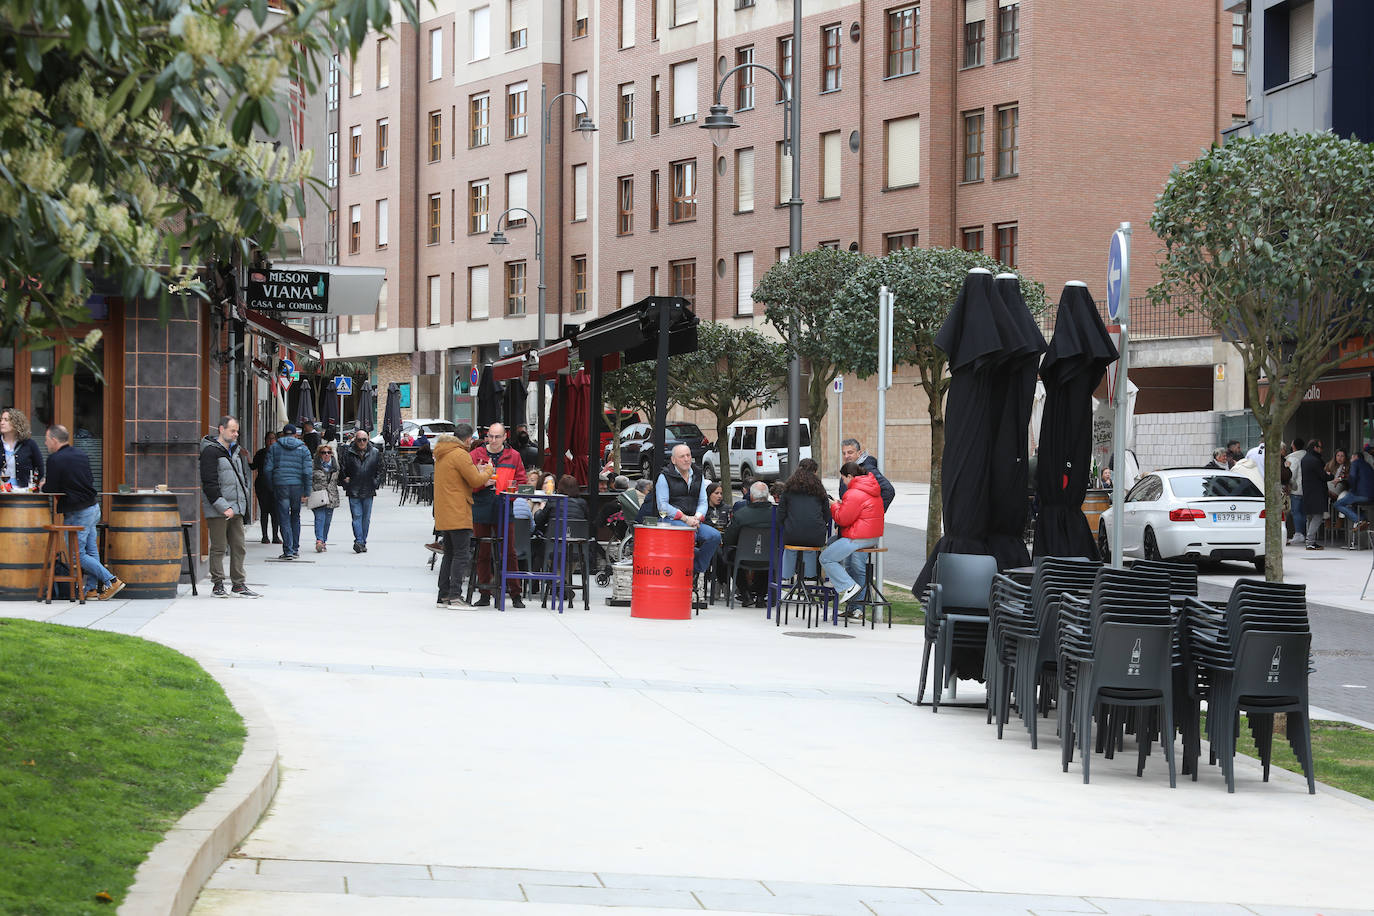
(324, 494)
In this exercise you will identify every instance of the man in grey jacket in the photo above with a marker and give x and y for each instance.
(225, 498)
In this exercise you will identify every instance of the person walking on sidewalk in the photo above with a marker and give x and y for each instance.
(69, 473)
(859, 516)
(455, 478)
(325, 479)
(262, 488)
(1314, 478)
(288, 464)
(225, 499)
(362, 475)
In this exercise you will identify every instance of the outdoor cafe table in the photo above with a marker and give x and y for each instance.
(556, 553)
(24, 542)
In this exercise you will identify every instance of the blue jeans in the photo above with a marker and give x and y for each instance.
(789, 564)
(843, 565)
(707, 543)
(323, 516)
(360, 507)
(1299, 518)
(1348, 499)
(289, 517)
(89, 545)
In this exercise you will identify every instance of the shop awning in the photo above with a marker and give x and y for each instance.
(554, 358)
(273, 329)
(512, 367)
(1334, 388)
(634, 329)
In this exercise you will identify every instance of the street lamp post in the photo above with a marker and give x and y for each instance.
(719, 123)
(586, 127)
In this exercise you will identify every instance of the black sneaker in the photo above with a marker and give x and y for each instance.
(364, 550)
(482, 601)
(266, 541)
(218, 591)
(515, 600)
(243, 591)
(285, 556)
(358, 547)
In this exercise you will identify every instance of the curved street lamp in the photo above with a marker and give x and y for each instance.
(586, 127)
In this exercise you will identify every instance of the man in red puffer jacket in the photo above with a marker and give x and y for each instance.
(859, 516)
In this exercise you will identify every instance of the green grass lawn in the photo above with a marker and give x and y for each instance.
(1343, 754)
(905, 608)
(105, 741)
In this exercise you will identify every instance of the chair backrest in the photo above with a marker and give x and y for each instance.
(965, 579)
(1272, 664)
(579, 529)
(1132, 656)
(520, 536)
(754, 548)
(426, 471)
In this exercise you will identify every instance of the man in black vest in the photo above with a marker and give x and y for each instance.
(680, 493)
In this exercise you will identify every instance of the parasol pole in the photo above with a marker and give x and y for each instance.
(886, 302)
(1119, 397)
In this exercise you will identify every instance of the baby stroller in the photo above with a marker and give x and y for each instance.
(621, 523)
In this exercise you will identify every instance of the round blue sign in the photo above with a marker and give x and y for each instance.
(474, 376)
(1116, 270)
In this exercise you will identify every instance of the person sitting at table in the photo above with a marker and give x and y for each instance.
(859, 516)
(717, 513)
(577, 505)
(751, 589)
(680, 495)
(803, 516)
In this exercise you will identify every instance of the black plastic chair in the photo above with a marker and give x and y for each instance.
(956, 606)
(751, 553)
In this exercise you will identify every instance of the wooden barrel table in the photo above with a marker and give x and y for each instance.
(144, 545)
(1095, 502)
(23, 544)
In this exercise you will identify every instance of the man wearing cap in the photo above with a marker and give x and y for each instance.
(290, 469)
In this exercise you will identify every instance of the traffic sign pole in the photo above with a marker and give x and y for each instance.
(1119, 308)
(839, 418)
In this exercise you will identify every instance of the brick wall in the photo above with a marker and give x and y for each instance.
(393, 368)
(1166, 440)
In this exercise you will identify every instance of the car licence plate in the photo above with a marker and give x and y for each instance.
(1231, 518)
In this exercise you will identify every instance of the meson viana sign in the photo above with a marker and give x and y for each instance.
(288, 290)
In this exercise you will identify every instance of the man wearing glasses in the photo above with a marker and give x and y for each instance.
(507, 468)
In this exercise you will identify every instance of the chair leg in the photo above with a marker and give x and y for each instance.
(925, 664)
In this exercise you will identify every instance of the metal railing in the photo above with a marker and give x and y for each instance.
(1148, 320)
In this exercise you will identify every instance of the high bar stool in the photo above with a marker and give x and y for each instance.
(805, 598)
(870, 590)
(56, 535)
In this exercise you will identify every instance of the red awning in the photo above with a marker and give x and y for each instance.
(553, 358)
(508, 368)
(273, 329)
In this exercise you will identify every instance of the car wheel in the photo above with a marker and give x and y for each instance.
(746, 476)
(645, 466)
(708, 470)
(1102, 546)
(1259, 564)
(1152, 546)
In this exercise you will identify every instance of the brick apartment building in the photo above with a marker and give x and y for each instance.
(1028, 129)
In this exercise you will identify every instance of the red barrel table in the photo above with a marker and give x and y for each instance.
(662, 587)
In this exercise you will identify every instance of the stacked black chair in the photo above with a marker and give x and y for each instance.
(1254, 655)
(752, 552)
(956, 606)
(1116, 653)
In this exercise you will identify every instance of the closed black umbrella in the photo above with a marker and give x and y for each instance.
(330, 408)
(305, 403)
(391, 419)
(1078, 356)
(513, 404)
(366, 416)
(488, 399)
(987, 346)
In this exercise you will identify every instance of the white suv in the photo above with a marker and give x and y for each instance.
(757, 449)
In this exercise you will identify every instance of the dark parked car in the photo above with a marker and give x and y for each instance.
(637, 439)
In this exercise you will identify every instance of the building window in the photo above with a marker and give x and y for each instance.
(896, 241)
(481, 33)
(784, 183)
(684, 11)
(332, 94)
(683, 277)
(355, 229)
(903, 41)
(684, 205)
(971, 239)
(517, 110)
(832, 244)
(436, 135)
(744, 180)
(653, 280)
(1008, 29)
(1238, 29)
(1301, 40)
(744, 4)
(830, 58)
(973, 146)
(579, 282)
(975, 16)
(435, 218)
(479, 205)
(830, 165)
(626, 131)
(515, 287)
(744, 79)
(581, 90)
(625, 205)
(579, 192)
(383, 311)
(332, 173)
(784, 66)
(519, 22)
(517, 198)
(654, 95)
(355, 79)
(383, 223)
(479, 120)
(903, 151)
(1008, 120)
(436, 53)
(332, 242)
(580, 19)
(355, 149)
(479, 292)
(655, 190)
(627, 23)
(1006, 244)
(433, 299)
(744, 283)
(684, 85)
(383, 63)
(624, 288)
(383, 142)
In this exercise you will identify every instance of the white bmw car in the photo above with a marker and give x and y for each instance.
(1190, 514)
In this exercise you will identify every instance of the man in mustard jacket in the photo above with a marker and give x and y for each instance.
(455, 478)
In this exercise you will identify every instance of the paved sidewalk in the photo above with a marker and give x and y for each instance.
(528, 763)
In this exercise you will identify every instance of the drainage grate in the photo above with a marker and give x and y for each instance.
(808, 635)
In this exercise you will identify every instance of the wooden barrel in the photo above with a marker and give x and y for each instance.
(1095, 502)
(143, 544)
(23, 544)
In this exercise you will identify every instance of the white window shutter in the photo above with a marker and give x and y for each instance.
(685, 91)
(436, 53)
(830, 155)
(519, 15)
(434, 303)
(383, 222)
(744, 273)
(1005, 3)
(684, 11)
(784, 176)
(479, 296)
(1300, 41)
(579, 192)
(517, 192)
(903, 152)
(481, 33)
(975, 11)
(627, 287)
(627, 23)
(744, 180)
(581, 86)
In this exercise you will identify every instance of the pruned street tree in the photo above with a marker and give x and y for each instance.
(804, 288)
(130, 144)
(630, 387)
(1272, 240)
(925, 283)
(732, 371)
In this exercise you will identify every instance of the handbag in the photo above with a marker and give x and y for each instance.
(319, 499)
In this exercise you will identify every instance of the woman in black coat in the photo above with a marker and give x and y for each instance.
(804, 516)
(577, 506)
(1314, 495)
(262, 486)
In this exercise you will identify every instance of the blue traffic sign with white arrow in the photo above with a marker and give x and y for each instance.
(1118, 265)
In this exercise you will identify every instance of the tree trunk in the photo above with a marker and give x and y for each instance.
(817, 408)
(935, 512)
(1273, 501)
(722, 443)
